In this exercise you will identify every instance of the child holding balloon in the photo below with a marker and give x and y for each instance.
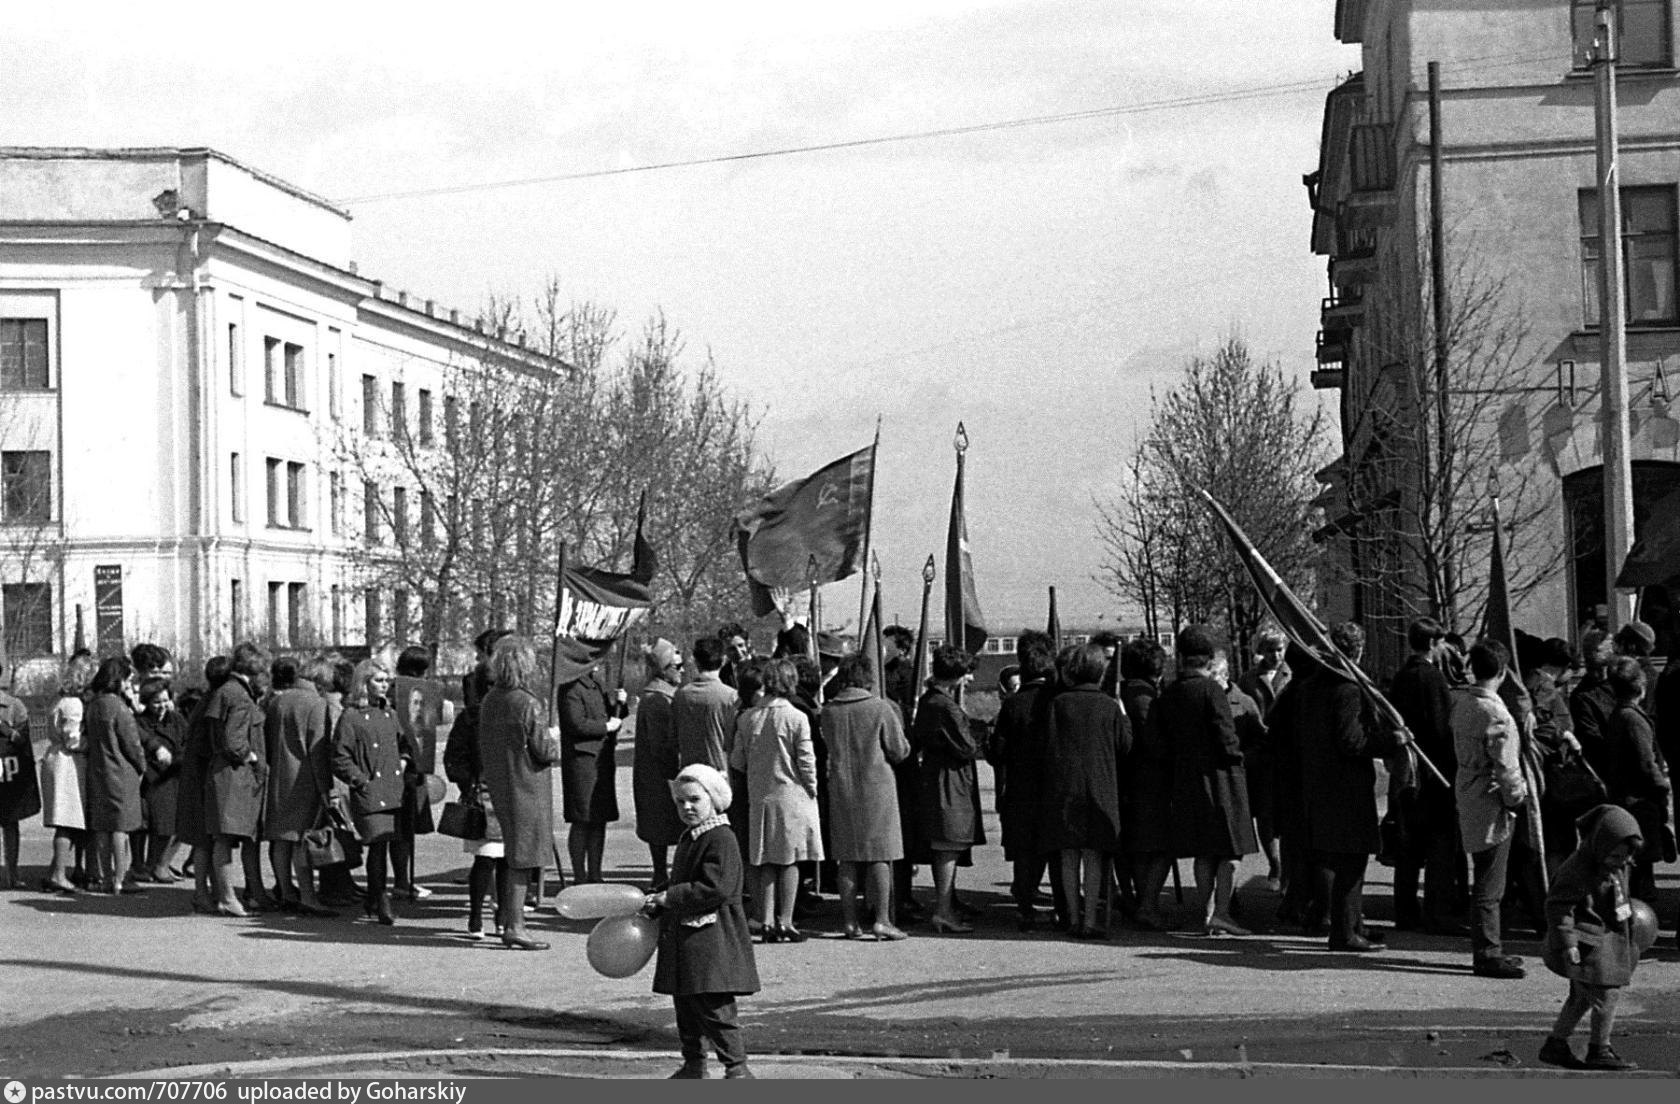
(705, 953)
(1594, 935)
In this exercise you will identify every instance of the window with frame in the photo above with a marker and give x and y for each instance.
(370, 406)
(235, 361)
(337, 598)
(425, 415)
(1648, 255)
(399, 515)
(399, 411)
(451, 422)
(236, 608)
(428, 519)
(335, 385)
(283, 373)
(274, 476)
(276, 599)
(399, 616)
(335, 505)
(1643, 33)
(297, 598)
(26, 486)
(297, 502)
(24, 361)
(28, 613)
(370, 511)
(371, 615)
(236, 486)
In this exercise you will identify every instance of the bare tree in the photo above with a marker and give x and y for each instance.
(31, 542)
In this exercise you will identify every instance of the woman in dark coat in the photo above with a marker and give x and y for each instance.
(299, 778)
(236, 781)
(1016, 753)
(656, 758)
(865, 738)
(705, 951)
(191, 830)
(371, 755)
(1146, 781)
(163, 734)
(948, 794)
(115, 763)
(510, 740)
(589, 723)
(1086, 739)
(1636, 777)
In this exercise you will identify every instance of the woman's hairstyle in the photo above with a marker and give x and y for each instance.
(1195, 640)
(513, 663)
(283, 672)
(320, 672)
(906, 638)
(809, 675)
(779, 678)
(1423, 633)
(414, 661)
(216, 670)
(1086, 664)
(248, 660)
(486, 640)
(1626, 678)
(708, 778)
(1271, 636)
(1219, 667)
(856, 672)
(78, 676)
(148, 657)
(153, 689)
(1143, 658)
(359, 680)
(749, 678)
(793, 641)
(111, 675)
(1350, 638)
(951, 663)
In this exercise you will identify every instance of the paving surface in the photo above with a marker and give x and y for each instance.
(98, 986)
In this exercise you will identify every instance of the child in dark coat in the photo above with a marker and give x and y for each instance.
(1589, 936)
(705, 952)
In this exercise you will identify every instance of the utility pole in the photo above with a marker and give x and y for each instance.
(1438, 291)
(1612, 319)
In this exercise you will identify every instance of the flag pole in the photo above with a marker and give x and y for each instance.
(868, 532)
(921, 635)
(874, 638)
(549, 707)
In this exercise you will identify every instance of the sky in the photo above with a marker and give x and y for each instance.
(1036, 283)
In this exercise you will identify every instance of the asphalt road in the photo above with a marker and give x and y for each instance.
(106, 986)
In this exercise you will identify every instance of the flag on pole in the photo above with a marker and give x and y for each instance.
(1054, 625)
(1302, 626)
(871, 644)
(595, 608)
(965, 625)
(823, 517)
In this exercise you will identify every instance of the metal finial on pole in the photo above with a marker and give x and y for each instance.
(960, 442)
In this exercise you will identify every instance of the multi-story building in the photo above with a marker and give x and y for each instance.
(186, 342)
(1519, 223)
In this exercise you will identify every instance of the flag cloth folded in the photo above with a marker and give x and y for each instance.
(872, 645)
(1654, 558)
(1054, 625)
(825, 515)
(965, 625)
(597, 607)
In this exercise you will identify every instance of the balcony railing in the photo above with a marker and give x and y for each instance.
(1332, 346)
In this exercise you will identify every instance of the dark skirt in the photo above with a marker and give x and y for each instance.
(588, 782)
(376, 827)
(162, 805)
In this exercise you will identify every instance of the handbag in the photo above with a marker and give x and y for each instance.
(321, 845)
(464, 820)
(547, 750)
(1571, 783)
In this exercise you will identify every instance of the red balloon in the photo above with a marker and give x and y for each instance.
(1644, 925)
(621, 945)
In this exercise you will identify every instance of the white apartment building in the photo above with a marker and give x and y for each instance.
(182, 340)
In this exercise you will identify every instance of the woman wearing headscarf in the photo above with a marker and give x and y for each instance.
(64, 777)
(948, 795)
(656, 759)
(510, 738)
(299, 779)
(371, 755)
(116, 762)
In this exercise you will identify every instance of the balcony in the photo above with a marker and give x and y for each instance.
(1329, 379)
(1371, 177)
(1342, 315)
(1332, 346)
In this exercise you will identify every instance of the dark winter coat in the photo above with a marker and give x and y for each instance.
(1146, 779)
(161, 786)
(20, 788)
(300, 751)
(1637, 778)
(947, 791)
(1337, 766)
(115, 762)
(1210, 815)
(236, 782)
(654, 765)
(706, 876)
(1582, 906)
(1590, 706)
(191, 828)
(1086, 738)
(369, 750)
(865, 737)
(589, 765)
(510, 730)
(1016, 753)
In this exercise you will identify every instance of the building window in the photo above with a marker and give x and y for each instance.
(1648, 255)
(399, 411)
(428, 519)
(297, 503)
(371, 615)
(236, 486)
(296, 598)
(28, 613)
(335, 401)
(1642, 32)
(335, 507)
(451, 422)
(236, 608)
(23, 355)
(425, 415)
(399, 516)
(283, 373)
(399, 616)
(273, 493)
(276, 598)
(370, 511)
(337, 614)
(370, 406)
(26, 486)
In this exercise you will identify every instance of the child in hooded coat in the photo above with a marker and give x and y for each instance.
(1589, 936)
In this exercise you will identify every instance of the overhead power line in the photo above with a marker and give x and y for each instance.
(1196, 100)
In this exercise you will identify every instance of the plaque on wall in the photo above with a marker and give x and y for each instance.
(108, 609)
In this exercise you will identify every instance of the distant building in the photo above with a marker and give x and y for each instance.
(1519, 207)
(182, 337)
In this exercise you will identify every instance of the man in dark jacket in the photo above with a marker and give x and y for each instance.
(1592, 702)
(1016, 754)
(1338, 785)
(1427, 816)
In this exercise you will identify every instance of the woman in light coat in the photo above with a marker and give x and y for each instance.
(773, 747)
(64, 777)
(510, 735)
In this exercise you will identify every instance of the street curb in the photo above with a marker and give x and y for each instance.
(611, 1061)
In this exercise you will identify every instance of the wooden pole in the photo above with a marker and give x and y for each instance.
(551, 708)
(922, 635)
(868, 532)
